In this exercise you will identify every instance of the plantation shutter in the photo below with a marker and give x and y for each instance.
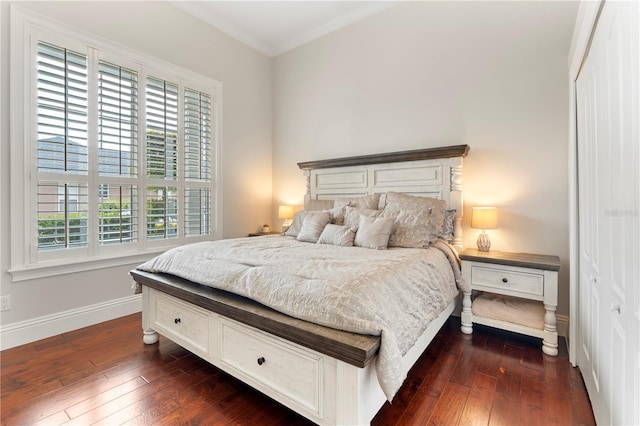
(162, 129)
(117, 153)
(61, 110)
(197, 130)
(118, 120)
(62, 139)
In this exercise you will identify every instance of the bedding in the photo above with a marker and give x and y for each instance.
(313, 225)
(373, 232)
(417, 221)
(391, 293)
(337, 235)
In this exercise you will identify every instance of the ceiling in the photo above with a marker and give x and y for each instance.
(274, 27)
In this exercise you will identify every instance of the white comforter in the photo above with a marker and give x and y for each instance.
(393, 293)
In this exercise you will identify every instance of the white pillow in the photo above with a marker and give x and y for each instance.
(352, 215)
(337, 235)
(313, 225)
(296, 224)
(373, 232)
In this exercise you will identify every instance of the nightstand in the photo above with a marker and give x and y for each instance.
(506, 282)
(261, 234)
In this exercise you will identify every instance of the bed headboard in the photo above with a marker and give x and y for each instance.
(434, 172)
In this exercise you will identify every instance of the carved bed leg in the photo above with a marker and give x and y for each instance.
(466, 316)
(149, 335)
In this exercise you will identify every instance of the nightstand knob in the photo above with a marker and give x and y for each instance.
(261, 360)
(177, 320)
(504, 280)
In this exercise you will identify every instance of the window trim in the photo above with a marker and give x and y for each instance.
(26, 25)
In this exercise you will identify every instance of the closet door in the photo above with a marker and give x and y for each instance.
(590, 175)
(609, 213)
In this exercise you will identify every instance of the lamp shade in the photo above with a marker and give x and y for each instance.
(285, 212)
(484, 218)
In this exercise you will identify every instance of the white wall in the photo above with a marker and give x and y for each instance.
(161, 30)
(427, 74)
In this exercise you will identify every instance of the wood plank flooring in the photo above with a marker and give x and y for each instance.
(105, 375)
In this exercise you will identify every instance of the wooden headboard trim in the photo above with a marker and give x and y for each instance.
(390, 157)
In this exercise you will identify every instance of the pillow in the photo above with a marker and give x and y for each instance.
(352, 215)
(446, 232)
(296, 224)
(337, 235)
(373, 232)
(411, 228)
(312, 226)
(398, 201)
(315, 205)
(416, 220)
(365, 202)
(337, 215)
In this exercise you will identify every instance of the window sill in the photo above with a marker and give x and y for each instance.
(49, 269)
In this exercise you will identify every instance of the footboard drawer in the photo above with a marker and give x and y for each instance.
(183, 323)
(263, 360)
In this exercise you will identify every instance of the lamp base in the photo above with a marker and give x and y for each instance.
(484, 244)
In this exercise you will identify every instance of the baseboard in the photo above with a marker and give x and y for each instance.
(562, 325)
(50, 325)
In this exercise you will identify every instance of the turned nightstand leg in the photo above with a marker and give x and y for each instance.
(550, 333)
(466, 317)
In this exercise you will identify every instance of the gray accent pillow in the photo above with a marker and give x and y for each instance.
(352, 215)
(417, 221)
(446, 232)
(337, 235)
(313, 225)
(373, 232)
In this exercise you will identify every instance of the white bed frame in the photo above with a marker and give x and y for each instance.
(344, 393)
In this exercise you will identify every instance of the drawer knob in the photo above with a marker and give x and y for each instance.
(261, 360)
(504, 280)
(177, 320)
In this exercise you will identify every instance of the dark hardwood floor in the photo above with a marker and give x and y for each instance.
(104, 374)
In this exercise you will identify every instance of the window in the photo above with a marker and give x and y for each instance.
(125, 151)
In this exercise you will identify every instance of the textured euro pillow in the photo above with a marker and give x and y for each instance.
(313, 225)
(337, 235)
(373, 232)
(352, 215)
(416, 220)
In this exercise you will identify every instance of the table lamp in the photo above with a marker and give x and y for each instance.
(484, 218)
(286, 213)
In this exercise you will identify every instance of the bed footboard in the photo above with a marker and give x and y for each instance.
(323, 386)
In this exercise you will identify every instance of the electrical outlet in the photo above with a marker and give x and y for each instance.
(5, 303)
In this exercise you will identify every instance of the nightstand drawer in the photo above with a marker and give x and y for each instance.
(507, 281)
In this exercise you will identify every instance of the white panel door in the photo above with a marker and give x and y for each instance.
(589, 176)
(609, 199)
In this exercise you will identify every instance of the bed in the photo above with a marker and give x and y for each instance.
(310, 341)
